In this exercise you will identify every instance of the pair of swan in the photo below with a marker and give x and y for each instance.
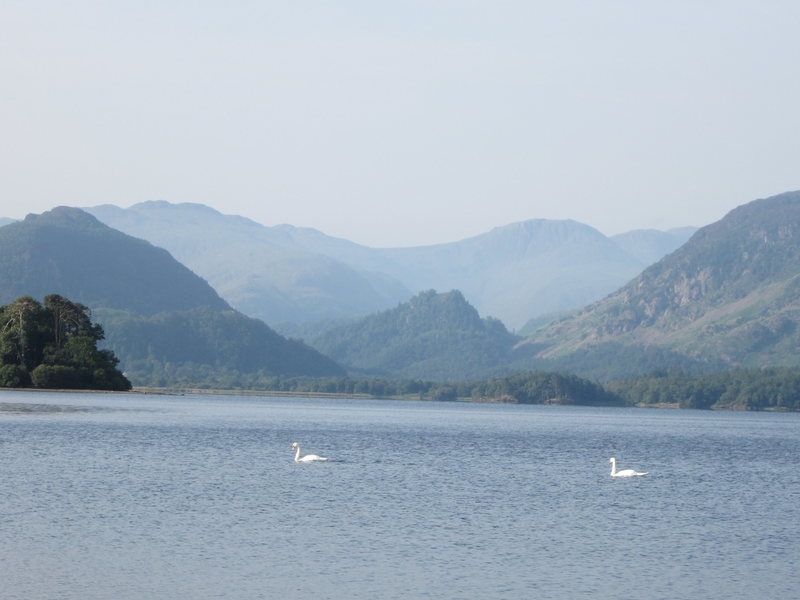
(307, 457)
(624, 472)
(316, 458)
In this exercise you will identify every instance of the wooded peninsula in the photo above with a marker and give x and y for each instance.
(54, 346)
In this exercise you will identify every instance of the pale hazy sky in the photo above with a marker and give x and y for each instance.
(403, 122)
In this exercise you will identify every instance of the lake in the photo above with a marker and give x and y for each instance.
(107, 496)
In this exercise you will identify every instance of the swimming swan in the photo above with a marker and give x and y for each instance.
(624, 472)
(307, 457)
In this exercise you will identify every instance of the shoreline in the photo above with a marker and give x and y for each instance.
(165, 391)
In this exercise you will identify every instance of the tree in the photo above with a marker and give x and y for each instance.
(21, 332)
(54, 346)
(70, 318)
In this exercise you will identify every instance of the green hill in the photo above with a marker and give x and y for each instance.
(729, 297)
(204, 347)
(159, 317)
(432, 336)
(68, 252)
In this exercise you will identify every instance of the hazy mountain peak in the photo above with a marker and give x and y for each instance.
(65, 216)
(650, 245)
(266, 272)
(164, 205)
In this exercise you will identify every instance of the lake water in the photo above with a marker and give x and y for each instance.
(194, 497)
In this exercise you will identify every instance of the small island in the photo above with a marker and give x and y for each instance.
(53, 345)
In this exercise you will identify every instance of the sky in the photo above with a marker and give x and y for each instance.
(402, 123)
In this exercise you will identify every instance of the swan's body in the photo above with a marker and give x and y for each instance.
(307, 457)
(624, 472)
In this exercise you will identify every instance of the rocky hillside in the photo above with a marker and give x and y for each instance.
(730, 295)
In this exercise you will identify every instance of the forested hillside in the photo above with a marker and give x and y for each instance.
(219, 348)
(434, 336)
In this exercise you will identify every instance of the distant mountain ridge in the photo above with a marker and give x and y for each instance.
(291, 274)
(521, 270)
(262, 271)
(651, 245)
(730, 295)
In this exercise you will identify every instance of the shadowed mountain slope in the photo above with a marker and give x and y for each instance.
(155, 311)
(67, 251)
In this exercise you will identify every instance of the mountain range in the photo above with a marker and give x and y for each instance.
(287, 275)
(265, 272)
(727, 297)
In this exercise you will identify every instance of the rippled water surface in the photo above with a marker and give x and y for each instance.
(132, 497)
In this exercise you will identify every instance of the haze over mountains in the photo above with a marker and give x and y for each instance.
(267, 273)
(728, 297)
(285, 274)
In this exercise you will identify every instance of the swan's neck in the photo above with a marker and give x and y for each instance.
(613, 467)
(297, 455)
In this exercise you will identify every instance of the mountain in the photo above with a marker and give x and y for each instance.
(522, 270)
(651, 245)
(154, 310)
(728, 297)
(515, 272)
(260, 270)
(205, 347)
(286, 274)
(6, 221)
(68, 252)
(432, 336)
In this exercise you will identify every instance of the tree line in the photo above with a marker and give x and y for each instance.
(54, 345)
(742, 389)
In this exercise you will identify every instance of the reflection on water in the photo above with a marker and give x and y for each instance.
(124, 496)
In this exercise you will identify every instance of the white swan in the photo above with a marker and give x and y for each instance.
(307, 457)
(624, 472)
